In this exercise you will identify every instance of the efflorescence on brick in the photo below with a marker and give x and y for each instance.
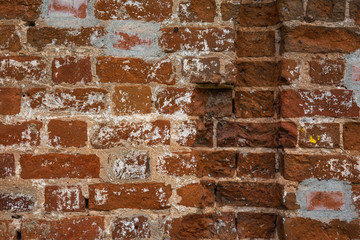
(179, 119)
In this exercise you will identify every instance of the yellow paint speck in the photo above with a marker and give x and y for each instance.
(312, 140)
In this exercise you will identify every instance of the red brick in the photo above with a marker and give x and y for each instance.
(16, 202)
(131, 228)
(290, 71)
(355, 11)
(194, 133)
(255, 44)
(322, 167)
(248, 194)
(9, 39)
(197, 11)
(19, 68)
(203, 226)
(177, 164)
(64, 199)
(53, 165)
(67, 133)
(126, 41)
(59, 8)
(305, 103)
(258, 74)
(7, 230)
(256, 225)
(71, 70)
(136, 196)
(25, 133)
(197, 102)
(290, 201)
(356, 196)
(325, 10)
(132, 99)
(229, 10)
(200, 39)
(314, 39)
(147, 10)
(10, 101)
(350, 135)
(326, 135)
(254, 104)
(202, 70)
(84, 227)
(306, 228)
(327, 72)
(291, 9)
(86, 100)
(199, 195)
(256, 165)
(134, 70)
(130, 133)
(39, 38)
(27, 10)
(7, 163)
(287, 135)
(325, 201)
(215, 163)
(258, 15)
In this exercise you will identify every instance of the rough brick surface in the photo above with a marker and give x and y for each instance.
(25, 133)
(67, 133)
(10, 101)
(7, 162)
(64, 199)
(71, 70)
(20, 68)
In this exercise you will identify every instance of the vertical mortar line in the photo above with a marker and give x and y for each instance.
(305, 3)
(341, 129)
(347, 10)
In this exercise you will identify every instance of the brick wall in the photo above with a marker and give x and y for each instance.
(179, 119)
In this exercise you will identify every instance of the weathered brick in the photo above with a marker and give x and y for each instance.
(215, 163)
(248, 194)
(132, 99)
(254, 104)
(7, 163)
(256, 165)
(355, 11)
(197, 39)
(287, 134)
(127, 41)
(64, 199)
(255, 44)
(86, 100)
(134, 70)
(198, 195)
(7, 230)
(59, 8)
(19, 68)
(131, 228)
(194, 133)
(10, 101)
(289, 201)
(177, 164)
(291, 9)
(24, 133)
(104, 196)
(147, 10)
(67, 133)
(290, 71)
(325, 201)
(327, 72)
(53, 165)
(130, 133)
(197, 11)
(258, 14)
(325, 10)
(318, 39)
(39, 38)
(27, 10)
(9, 39)
(333, 103)
(326, 135)
(323, 167)
(258, 74)
(71, 70)
(350, 135)
(16, 202)
(229, 10)
(356, 195)
(202, 70)
(256, 225)
(84, 227)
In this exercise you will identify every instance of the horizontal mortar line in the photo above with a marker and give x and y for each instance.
(318, 23)
(320, 120)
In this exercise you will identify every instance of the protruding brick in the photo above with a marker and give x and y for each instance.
(258, 14)
(84, 227)
(215, 164)
(197, 39)
(60, 8)
(325, 201)
(16, 202)
(327, 72)
(351, 135)
(258, 74)
(136, 196)
(9, 39)
(131, 228)
(132, 99)
(197, 195)
(194, 133)
(256, 165)
(303, 103)
(25, 133)
(326, 135)
(10, 101)
(7, 163)
(249, 194)
(20, 9)
(71, 70)
(19, 68)
(256, 225)
(177, 164)
(53, 165)
(254, 104)
(287, 135)
(197, 11)
(255, 44)
(67, 133)
(325, 10)
(130, 133)
(64, 199)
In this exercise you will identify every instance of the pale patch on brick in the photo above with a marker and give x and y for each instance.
(68, 8)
